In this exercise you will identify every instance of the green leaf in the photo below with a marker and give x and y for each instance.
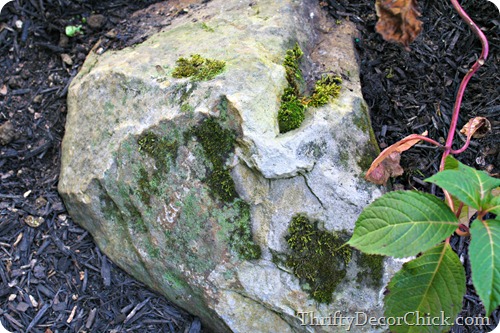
(484, 253)
(450, 163)
(402, 224)
(493, 204)
(429, 287)
(466, 213)
(469, 185)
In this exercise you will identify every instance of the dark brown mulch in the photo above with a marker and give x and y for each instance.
(413, 91)
(54, 279)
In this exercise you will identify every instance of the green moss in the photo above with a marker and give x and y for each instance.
(135, 217)
(292, 68)
(164, 153)
(372, 269)
(198, 68)
(191, 228)
(317, 257)
(293, 102)
(206, 27)
(217, 143)
(327, 87)
(291, 113)
(241, 234)
(175, 281)
(144, 187)
(153, 252)
(162, 150)
(370, 151)
(187, 108)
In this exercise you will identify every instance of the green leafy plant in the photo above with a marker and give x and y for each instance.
(408, 223)
(411, 223)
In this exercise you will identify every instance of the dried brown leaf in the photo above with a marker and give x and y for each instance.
(389, 167)
(387, 163)
(476, 127)
(3, 90)
(398, 20)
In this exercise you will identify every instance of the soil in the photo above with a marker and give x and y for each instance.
(53, 278)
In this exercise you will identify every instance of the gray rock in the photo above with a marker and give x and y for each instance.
(147, 158)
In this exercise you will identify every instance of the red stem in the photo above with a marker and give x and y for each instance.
(420, 137)
(465, 80)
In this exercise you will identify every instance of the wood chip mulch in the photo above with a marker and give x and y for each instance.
(53, 278)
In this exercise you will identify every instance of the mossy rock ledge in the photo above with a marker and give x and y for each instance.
(174, 161)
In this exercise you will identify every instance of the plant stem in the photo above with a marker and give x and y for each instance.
(465, 80)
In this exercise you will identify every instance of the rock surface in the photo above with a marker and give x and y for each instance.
(188, 185)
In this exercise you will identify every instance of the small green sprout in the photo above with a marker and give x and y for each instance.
(72, 30)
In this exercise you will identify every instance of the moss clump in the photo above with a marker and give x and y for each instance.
(372, 269)
(293, 104)
(144, 187)
(328, 86)
(241, 235)
(159, 148)
(217, 143)
(292, 68)
(198, 68)
(318, 258)
(291, 113)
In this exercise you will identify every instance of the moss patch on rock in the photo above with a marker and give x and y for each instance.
(370, 151)
(164, 153)
(198, 68)
(325, 88)
(317, 257)
(241, 234)
(217, 143)
(293, 102)
(372, 269)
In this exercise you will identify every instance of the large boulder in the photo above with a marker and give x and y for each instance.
(188, 185)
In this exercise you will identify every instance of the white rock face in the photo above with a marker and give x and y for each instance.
(135, 168)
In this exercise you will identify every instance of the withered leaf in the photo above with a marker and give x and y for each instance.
(476, 127)
(389, 167)
(398, 20)
(387, 163)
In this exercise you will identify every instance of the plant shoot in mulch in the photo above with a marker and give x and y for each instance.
(410, 223)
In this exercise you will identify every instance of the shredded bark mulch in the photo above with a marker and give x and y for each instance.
(53, 278)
